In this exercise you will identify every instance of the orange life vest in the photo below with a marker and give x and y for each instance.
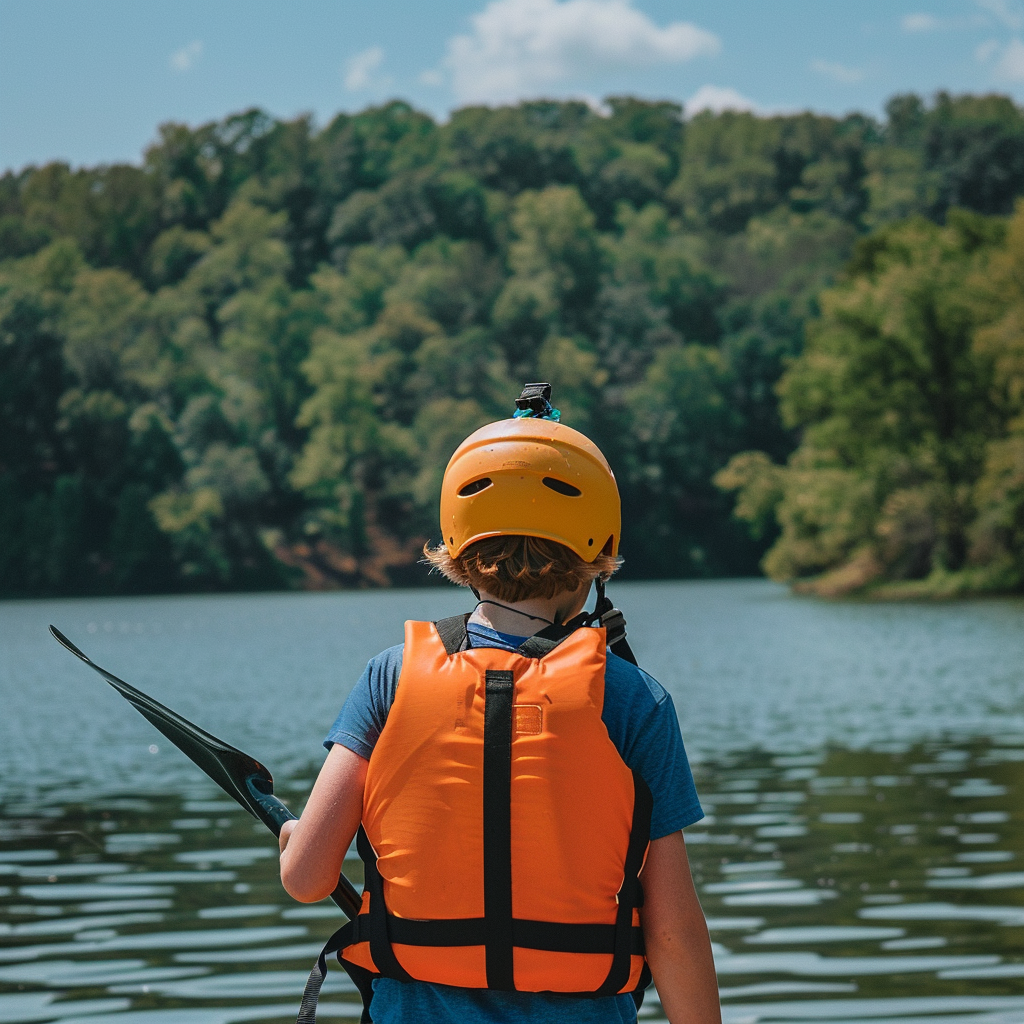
(502, 832)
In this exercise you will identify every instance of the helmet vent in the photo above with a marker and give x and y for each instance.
(561, 486)
(475, 487)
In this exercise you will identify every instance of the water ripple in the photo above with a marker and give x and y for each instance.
(862, 867)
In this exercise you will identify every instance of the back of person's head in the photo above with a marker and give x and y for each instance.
(529, 507)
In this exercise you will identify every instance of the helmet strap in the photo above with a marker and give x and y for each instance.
(509, 608)
(601, 605)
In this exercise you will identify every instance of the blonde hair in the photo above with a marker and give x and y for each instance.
(515, 568)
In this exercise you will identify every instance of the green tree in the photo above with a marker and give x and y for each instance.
(997, 533)
(245, 362)
(892, 398)
(240, 335)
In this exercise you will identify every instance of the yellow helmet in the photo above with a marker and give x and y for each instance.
(531, 476)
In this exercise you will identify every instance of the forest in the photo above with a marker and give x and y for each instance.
(243, 363)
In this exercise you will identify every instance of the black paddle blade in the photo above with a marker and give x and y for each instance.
(225, 764)
(238, 774)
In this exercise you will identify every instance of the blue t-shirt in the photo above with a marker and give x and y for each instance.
(641, 721)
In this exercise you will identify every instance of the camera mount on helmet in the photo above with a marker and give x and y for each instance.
(535, 401)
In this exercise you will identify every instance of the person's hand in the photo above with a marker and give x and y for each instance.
(286, 831)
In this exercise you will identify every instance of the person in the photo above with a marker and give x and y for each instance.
(519, 788)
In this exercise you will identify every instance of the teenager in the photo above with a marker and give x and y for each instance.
(519, 789)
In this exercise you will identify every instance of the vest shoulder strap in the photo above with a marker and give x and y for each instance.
(453, 634)
(545, 641)
(455, 637)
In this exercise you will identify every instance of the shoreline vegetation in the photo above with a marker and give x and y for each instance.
(243, 363)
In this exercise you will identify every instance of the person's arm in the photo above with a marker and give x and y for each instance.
(313, 846)
(676, 936)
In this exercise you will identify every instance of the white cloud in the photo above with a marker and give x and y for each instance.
(360, 68)
(985, 51)
(524, 47)
(837, 72)
(920, 23)
(431, 77)
(717, 98)
(1010, 67)
(1004, 12)
(185, 59)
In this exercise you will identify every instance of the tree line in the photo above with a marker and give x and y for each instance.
(245, 362)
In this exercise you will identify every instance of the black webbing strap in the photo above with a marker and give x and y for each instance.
(550, 936)
(614, 622)
(622, 649)
(631, 893)
(641, 985)
(498, 937)
(384, 958)
(344, 936)
(536, 647)
(546, 640)
(363, 981)
(572, 938)
(470, 931)
(452, 632)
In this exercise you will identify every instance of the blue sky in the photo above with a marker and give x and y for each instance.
(88, 81)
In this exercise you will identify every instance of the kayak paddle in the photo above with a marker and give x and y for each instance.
(239, 775)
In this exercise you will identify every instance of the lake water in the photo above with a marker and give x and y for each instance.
(862, 767)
